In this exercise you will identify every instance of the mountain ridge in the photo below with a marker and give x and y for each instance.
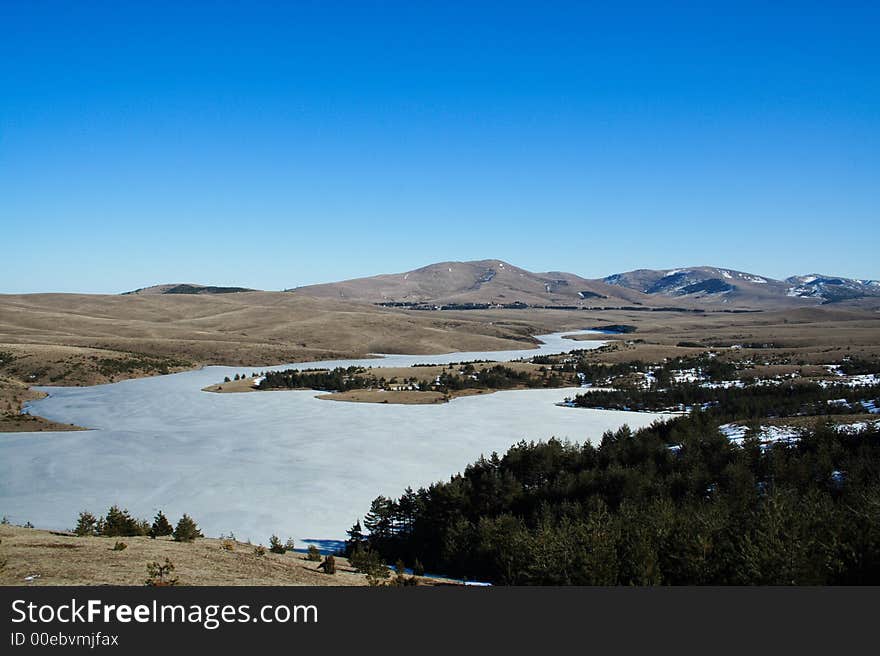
(494, 282)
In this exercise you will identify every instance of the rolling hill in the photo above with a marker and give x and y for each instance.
(478, 282)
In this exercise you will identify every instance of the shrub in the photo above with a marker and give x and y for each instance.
(329, 565)
(314, 553)
(160, 575)
(367, 561)
(120, 546)
(227, 545)
(187, 530)
(418, 568)
(275, 545)
(87, 524)
(290, 545)
(400, 578)
(161, 526)
(260, 550)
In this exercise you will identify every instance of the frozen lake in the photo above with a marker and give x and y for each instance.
(278, 462)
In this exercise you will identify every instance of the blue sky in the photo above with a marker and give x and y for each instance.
(277, 144)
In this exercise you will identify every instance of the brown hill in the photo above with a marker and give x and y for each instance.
(483, 281)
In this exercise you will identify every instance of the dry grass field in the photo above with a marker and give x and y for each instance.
(246, 328)
(58, 558)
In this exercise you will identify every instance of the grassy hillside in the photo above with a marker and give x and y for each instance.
(59, 558)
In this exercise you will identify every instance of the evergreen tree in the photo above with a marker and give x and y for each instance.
(356, 538)
(119, 523)
(380, 520)
(161, 526)
(86, 524)
(186, 530)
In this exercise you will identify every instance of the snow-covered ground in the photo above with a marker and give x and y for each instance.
(736, 433)
(861, 380)
(269, 462)
(857, 426)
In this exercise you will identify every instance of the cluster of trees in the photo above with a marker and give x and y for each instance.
(495, 377)
(595, 373)
(633, 511)
(118, 522)
(339, 379)
(754, 401)
(343, 379)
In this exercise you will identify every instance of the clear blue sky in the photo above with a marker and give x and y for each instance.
(278, 144)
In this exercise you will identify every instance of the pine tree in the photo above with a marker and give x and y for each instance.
(407, 507)
(87, 524)
(275, 545)
(355, 538)
(161, 526)
(119, 523)
(380, 520)
(187, 530)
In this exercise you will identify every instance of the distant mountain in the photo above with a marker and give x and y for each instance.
(187, 288)
(495, 282)
(703, 283)
(711, 284)
(830, 289)
(479, 282)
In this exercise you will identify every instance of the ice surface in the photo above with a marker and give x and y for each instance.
(268, 462)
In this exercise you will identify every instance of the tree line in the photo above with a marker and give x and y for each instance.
(786, 399)
(118, 522)
(633, 511)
